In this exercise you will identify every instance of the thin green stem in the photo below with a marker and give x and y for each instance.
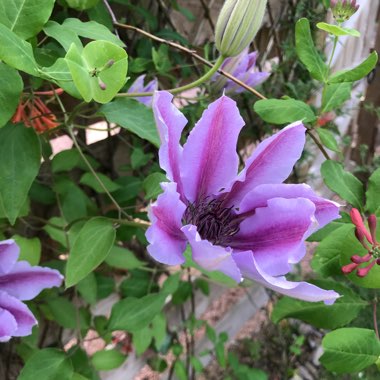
(204, 78)
(336, 39)
(84, 158)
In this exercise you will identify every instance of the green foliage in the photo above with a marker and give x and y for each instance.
(106, 360)
(328, 139)
(133, 116)
(338, 30)
(334, 95)
(307, 52)
(25, 17)
(90, 249)
(284, 111)
(99, 71)
(47, 364)
(350, 350)
(342, 312)
(20, 155)
(356, 73)
(373, 191)
(133, 314)
(11, 86)
(346, 185)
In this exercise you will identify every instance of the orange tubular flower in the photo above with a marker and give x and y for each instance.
(34, 113)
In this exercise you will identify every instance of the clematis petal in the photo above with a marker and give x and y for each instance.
(210, 161)
(25, 281)
(300, 290)
(9, 252)
(167, 242)
(170, 123)
(211, 257)
(276, 233)
(23, 316)
(138, 86)
(325, 210)
(8, 325)
(271, 162)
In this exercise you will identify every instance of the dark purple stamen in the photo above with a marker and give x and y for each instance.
(214, 222)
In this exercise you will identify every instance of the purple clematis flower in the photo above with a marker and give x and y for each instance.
(244, 68)
(138, 86)
(245, 225)
(19, 281)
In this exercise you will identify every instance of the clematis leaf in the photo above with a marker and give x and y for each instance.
(373, 191)
(338, 30)
(11, 86)
(20, 155)
(345, 184)
(328, 139)
(342, 312)
(45, 364)
(25, 17)
(307, 52)
(284, 111)
(356, 73)
(350, 350)
(133, 314)
(335, 95)
(106, 360)
(133, 116)
(90, 248)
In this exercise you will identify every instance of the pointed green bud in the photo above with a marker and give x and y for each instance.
(237, 25)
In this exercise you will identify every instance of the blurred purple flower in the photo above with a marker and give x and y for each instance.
(244, 68)
(138, 86)
(244, 225)
(19, 281)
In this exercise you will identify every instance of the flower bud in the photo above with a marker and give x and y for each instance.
(238, 24)
(343, 9)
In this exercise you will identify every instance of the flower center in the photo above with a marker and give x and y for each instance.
(214, 222)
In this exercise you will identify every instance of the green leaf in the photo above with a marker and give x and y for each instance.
(16, 52)
(342, 312)
(335, 95)
(47, 364)
(59, 73)
(81, 5)
(11, 86)
(105, 360)
(345, 184)
(285, 111)
(151, 185)
(373, 191)
(141, 340)
(307, 52)
(356, 73)
(64, 312)
(133, 314)
(327, 255)
(88, 288)
(350, 350)
(133, 116)
(159, 330)
(90, 180)
(89, 250)
(63, 35)
(91, 30)
(328, 139)
(30, 249)
(25, 17)
(123, 258)
(20, 155)
(89, 70)
(338, 30)
(69, 159)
